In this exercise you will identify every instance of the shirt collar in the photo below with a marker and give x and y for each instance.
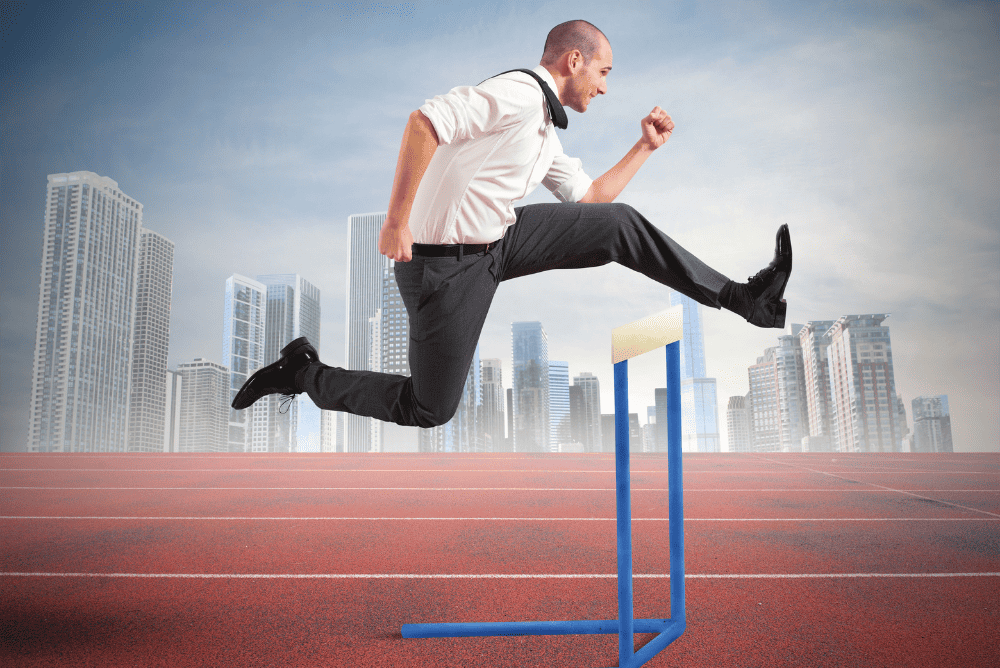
(547, 77)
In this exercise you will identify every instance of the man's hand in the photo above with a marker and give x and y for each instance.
(395, 241)
(656, 128)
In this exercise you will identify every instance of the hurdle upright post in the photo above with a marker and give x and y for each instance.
(628, 341)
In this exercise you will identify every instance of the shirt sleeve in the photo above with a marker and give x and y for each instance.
(566, 178)
(467, 112)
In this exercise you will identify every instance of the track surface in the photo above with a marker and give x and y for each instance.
(318, 560)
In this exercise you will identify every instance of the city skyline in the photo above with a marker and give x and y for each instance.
(255, 164)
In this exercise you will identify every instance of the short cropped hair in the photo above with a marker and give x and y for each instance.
(571, 35)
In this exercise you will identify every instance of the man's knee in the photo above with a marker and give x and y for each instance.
(434, 416)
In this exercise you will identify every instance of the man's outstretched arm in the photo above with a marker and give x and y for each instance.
(420, 140)
(656, 130)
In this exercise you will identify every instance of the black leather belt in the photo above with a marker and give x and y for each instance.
(451, 250)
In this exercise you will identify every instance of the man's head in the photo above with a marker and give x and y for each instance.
(579, 57)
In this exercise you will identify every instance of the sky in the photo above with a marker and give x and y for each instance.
(251, 133)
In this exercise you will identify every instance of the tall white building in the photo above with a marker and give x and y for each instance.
(243, 337)
(204, 407)
(585, 411)
(530, 354)
(699, 400)
(862, 384)
(738, 425)
(365, 272)
(82, 367)
(151, 343)
(172, 411)
(814, 340)
(391, 338)
(559, 418)
(491, 419)
(293, 310)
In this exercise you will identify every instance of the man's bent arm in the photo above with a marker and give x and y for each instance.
(420, 140)
(656, 130)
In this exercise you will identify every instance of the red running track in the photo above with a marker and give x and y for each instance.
(318, 560)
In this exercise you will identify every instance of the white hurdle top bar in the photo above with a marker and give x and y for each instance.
(648, 334)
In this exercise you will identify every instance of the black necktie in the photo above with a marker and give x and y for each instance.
(556, 111)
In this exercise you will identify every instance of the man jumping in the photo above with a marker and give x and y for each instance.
(455, 234)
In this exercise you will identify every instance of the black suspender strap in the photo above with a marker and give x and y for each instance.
(556, 111)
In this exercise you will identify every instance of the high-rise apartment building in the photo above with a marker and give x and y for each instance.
(585, 411)
(293, 310)
(365, 274)
(243, 338)
(82, 367)
(204, 407)
(814, 340)
(530, 348)
(699, 402)
(931, 424)
(862, 385)
(559, 417)
(778, 397)
(151, 343)
(491, 417)
(738, 425)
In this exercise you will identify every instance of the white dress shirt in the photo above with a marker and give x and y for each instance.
(496, 144)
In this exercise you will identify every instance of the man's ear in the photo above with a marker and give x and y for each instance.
(574, 61)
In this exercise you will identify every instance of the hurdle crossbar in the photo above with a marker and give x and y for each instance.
(642, 336)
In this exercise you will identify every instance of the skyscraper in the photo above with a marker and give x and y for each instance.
(738, 425)
(530, 348)
(931, 424)
(814, 340)
(699, 403)
(151, 343)
(491, 419)
(585, 414)
(765, 416)
(293, 310)
(81, 375)
(392, 338)
(243, 337)
(559, 427)
(365, 273)
(172, 411)
(862, 384)
(204, 407)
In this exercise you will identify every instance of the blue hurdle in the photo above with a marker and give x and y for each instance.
(642, 336)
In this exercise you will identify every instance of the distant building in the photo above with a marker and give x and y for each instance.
(204, 407)
(585, 411)
(699, 402)
(608, 432)
(862, 385)
(243, 337)
(738, 425)
(365, 273)
(661, 437)
(172, 411)
(530, 353)
(151, 343)
(559, 411)
(492, 421)
(931, 424)
(765, 415)
(814, 341)
(82, 367)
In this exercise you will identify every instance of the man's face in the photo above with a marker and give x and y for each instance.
(590, 80)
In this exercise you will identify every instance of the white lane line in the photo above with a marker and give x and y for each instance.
(836, 490)
(918, 496)
(499, 519)
(497, 576)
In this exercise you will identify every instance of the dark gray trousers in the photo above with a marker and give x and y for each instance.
(447, 301)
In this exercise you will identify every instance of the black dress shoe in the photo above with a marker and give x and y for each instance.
(768, 285)
(277, 378)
